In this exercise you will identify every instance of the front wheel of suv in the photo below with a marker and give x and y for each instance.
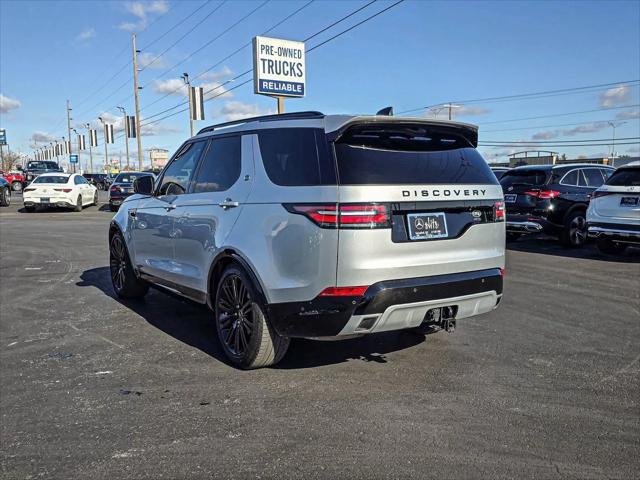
(124, 280)
(244, 330)
(574, 233)
(609, 247)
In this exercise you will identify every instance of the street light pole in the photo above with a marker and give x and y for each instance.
(613, 140)
(137, 100)
(88, 127)
(185, 78)
(126, 135)
(69, 133)
(78, 144)
(104, 133)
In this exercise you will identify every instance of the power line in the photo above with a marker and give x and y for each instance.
(559, 114)
(295, 12)
(208, 43)
(595, 122)
(371, 17)
(560, 145)
(590, 140)
(528, 95)
(218, 7)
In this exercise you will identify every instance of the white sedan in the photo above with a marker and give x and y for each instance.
(613, 217)
(59, 190)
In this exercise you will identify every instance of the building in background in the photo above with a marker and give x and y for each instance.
(158, 157)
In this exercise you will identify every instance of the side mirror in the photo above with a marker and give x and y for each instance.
(143, 185)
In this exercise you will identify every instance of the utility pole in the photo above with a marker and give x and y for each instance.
(135, 93)
(69, 133)
(88, 127)
(280, 105)
(104, 133)
(126, 133)
(185, 78)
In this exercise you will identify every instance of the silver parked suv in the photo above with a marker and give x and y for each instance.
(306, 225)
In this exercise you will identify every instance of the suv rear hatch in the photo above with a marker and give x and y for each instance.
(619, 197)
(524, 188)
(416, 199)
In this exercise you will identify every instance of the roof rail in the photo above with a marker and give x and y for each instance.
(265, 118)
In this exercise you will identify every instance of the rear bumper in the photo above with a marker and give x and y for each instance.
(54, 202)
(389, 305)
(613, 231)
(519, 223)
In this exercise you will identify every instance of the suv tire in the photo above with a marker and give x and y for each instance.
(238, 315)
(124, 280)
(574, 233)
(610, 247)
(5, 197)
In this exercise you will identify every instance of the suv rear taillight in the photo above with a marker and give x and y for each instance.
(498, 211)
(332, 215)
(543, 194)
(599, 193)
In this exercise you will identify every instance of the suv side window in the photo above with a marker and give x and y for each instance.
(593, 177)
(176, 178)
(296, 156)
(570, 178)
(220, 167)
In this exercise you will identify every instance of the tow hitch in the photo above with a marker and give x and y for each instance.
(443, 317)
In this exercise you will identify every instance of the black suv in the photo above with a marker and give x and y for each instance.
(38, 167)
(99, 180)
(552, 199)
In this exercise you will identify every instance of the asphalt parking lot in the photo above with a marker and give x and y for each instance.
(547, 386)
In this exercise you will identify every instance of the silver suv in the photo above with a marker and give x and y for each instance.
(312, 225)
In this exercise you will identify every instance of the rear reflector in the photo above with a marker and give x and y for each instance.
(332, 215)
(343, 291)
(498, 211)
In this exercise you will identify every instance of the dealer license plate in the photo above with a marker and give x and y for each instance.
(427, 226)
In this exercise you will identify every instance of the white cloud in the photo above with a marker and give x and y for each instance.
(239, 110)
(7, 104)
(142, 11)
(469, 111)
(212, 89)
(546, 135)
(628, 115)
(39, 136)
(589, 128)
(150, 60)
(615, 96)
(86, 35)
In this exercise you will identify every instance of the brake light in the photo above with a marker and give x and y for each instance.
(343, 291)
(543, 194)
(366, 215)
(600, 193)
(115, 188)
(65, 190)
(498, 212)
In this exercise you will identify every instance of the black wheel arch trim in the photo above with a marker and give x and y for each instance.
(229, 254)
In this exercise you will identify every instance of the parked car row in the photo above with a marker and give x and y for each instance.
(574, 202)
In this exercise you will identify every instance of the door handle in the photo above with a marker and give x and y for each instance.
(228, 203)
(170, 207)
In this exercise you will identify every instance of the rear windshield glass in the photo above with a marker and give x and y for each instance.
(51, 179)
(408, 154)
(42, 166)
(524, 177)
(129, 177)
(627, 177)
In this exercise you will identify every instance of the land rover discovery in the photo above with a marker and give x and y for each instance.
(312, 225)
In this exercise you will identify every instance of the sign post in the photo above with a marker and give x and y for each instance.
(279, 68)
(73, 160)
(3, 142)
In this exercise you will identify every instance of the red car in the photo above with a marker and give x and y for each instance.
(15, 179)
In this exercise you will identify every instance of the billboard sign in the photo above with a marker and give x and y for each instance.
(278, 67)
(3, 136)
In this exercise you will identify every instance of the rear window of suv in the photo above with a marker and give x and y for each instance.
(626, 177)
(524, 177)
(404, 154)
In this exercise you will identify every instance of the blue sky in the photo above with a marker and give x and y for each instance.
(418, 53)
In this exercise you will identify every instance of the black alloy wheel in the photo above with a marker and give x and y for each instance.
(118, 263)
(235, 315)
